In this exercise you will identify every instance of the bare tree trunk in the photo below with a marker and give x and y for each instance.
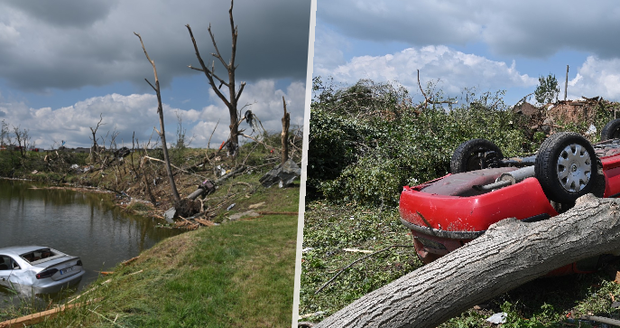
(286, 123)
(94, 150)
(216, 82)
(162, 133)
(508, 255)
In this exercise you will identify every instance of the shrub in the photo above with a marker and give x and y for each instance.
(369, 140)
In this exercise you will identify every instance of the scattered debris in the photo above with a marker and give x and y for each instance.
(308, 315)
(205, 223)
(256, 205)
(130, 260)
(284, 173)
(170, 214)
(230, 207)
(497, 318)
(238, 216)
(355, 250)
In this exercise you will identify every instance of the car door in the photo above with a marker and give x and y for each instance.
(6, 266)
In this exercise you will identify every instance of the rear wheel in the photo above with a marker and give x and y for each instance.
(567, 168)
(611, 130)
(475, 154)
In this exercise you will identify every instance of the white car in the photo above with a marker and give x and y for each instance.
(39, 269)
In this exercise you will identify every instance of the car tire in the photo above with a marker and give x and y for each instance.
(567, 168)
(475, 154)
(611, 130)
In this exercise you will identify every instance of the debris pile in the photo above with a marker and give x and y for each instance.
(551, 117)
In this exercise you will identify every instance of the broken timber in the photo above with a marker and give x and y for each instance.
(38, 317)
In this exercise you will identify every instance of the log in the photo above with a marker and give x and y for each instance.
(509, 254)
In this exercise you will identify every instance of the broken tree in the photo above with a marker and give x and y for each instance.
(94, 150)
(286, 124)
(162, 133)
(508, 255)
(216, 82)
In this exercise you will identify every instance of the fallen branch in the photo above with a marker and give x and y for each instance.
(356, 261)
(176, 167)
(130, 260)
(38, 317)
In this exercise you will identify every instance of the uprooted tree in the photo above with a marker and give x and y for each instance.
(509, 254)
(232, 144)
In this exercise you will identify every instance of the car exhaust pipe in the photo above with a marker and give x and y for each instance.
(509, 178)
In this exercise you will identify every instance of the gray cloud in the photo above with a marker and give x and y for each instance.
(65, 13)
(528, 28)
(70, 45)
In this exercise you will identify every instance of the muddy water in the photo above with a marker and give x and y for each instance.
(83, 224)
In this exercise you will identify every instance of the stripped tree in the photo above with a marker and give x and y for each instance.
(216, 82)
(162, 133)
(286, 124)
(94, 150)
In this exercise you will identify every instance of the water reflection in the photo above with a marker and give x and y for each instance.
(83, 224)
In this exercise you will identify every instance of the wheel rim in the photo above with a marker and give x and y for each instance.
(481, 159)
(574, 167)
(475, 161)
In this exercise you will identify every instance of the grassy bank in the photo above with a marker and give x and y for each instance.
(238, 274)
(230, 272)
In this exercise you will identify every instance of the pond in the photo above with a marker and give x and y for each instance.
(82, 224)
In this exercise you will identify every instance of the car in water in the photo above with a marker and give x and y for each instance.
(42, 270)
(484, 188)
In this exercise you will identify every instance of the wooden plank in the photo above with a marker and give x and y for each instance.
(38, 317)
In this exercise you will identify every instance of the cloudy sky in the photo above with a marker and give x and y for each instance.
(486, 45)
(65, 62)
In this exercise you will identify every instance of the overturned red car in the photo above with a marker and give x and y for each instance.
(484, 188)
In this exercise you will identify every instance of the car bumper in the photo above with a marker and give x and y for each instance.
(50, 287)
(441, 223)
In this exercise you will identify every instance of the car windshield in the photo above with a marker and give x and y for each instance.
(37, 255)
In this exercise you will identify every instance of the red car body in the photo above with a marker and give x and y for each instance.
(445, 213)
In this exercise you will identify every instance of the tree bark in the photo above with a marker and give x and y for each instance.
(508, 255)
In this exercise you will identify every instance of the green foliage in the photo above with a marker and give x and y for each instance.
(547, 90)
(368, 140)
(328, 230)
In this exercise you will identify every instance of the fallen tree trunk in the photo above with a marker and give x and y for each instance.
(508, 255)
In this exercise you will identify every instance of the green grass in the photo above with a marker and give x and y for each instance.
(238, 274)
(328, 229)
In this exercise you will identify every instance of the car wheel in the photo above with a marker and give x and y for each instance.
(567, 168)
(611, 130)
(475, 154)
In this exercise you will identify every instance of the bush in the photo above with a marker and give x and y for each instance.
(369, 140)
